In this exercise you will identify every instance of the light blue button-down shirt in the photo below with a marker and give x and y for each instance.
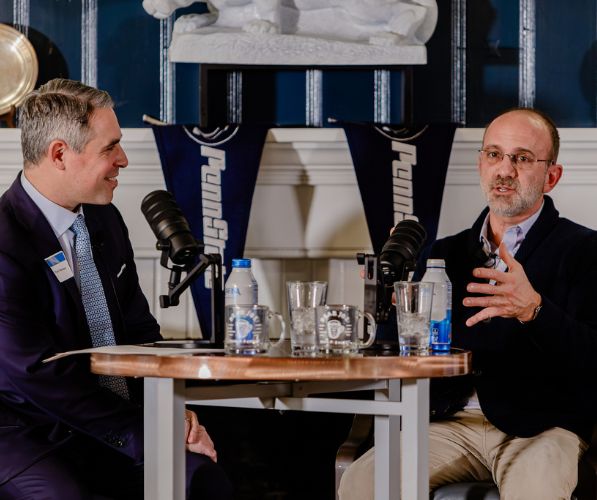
(513, 238)
(60, 220)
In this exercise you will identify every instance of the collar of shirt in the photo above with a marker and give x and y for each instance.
(59, 218)
(513, 238)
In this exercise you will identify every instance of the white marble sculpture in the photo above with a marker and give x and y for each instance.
(331, 32)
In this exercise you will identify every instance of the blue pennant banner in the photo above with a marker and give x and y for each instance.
(212, 174)
(401, 174)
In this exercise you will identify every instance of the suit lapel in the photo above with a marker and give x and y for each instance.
(538, 232)
(42, 239)
(543, 225)
(474, 246)
(94, 226)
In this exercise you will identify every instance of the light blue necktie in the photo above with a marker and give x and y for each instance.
(94, 302)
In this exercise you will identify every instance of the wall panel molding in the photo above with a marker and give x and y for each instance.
(318, 157)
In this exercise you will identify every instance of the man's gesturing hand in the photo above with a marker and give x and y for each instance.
(512, 296)
(197, 439)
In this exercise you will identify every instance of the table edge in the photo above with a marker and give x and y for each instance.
(209, 367)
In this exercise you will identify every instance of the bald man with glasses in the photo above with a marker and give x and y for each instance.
(524, 303)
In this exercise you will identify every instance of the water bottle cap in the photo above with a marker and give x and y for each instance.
(244, 263)
(436, 263)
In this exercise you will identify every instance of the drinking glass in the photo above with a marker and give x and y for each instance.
(303, 297)
(413, 313)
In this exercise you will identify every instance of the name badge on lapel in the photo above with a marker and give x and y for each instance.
(59, 266)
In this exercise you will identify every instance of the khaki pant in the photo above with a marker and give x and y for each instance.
(468, 448)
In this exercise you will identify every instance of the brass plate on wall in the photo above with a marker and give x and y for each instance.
(18, 67)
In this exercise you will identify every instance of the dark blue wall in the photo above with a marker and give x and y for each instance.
(128, 66)
(567, 61)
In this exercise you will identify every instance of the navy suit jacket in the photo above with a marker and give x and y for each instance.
(43, 405)
(529, 377)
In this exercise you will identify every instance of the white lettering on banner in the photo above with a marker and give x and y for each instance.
(215, 229)
(402, 181)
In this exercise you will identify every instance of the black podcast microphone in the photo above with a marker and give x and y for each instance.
(177, 243)
(397, 258)
(170, 227)
(399, 254)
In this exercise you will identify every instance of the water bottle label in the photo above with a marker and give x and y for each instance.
(240, 294)
(442, 299)
(441, 334)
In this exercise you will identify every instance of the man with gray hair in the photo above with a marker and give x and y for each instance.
(524, 304)
(68, 281)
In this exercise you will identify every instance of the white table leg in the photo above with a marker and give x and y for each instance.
(164, 439)
(387, 447)
(415, 439)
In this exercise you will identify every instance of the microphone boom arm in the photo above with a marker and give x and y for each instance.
(176, 287)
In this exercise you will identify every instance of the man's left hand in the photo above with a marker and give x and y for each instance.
(197, 439)
(512, 296)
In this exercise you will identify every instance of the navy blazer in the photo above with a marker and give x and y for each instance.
(542, 374)
(43, 405)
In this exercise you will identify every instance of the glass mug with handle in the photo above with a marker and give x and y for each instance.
(338, 329)
(247, 329)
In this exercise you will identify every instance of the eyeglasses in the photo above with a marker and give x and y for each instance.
(492, 157)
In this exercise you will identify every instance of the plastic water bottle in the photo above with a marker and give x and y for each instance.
(241, 286)
(441, 309)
